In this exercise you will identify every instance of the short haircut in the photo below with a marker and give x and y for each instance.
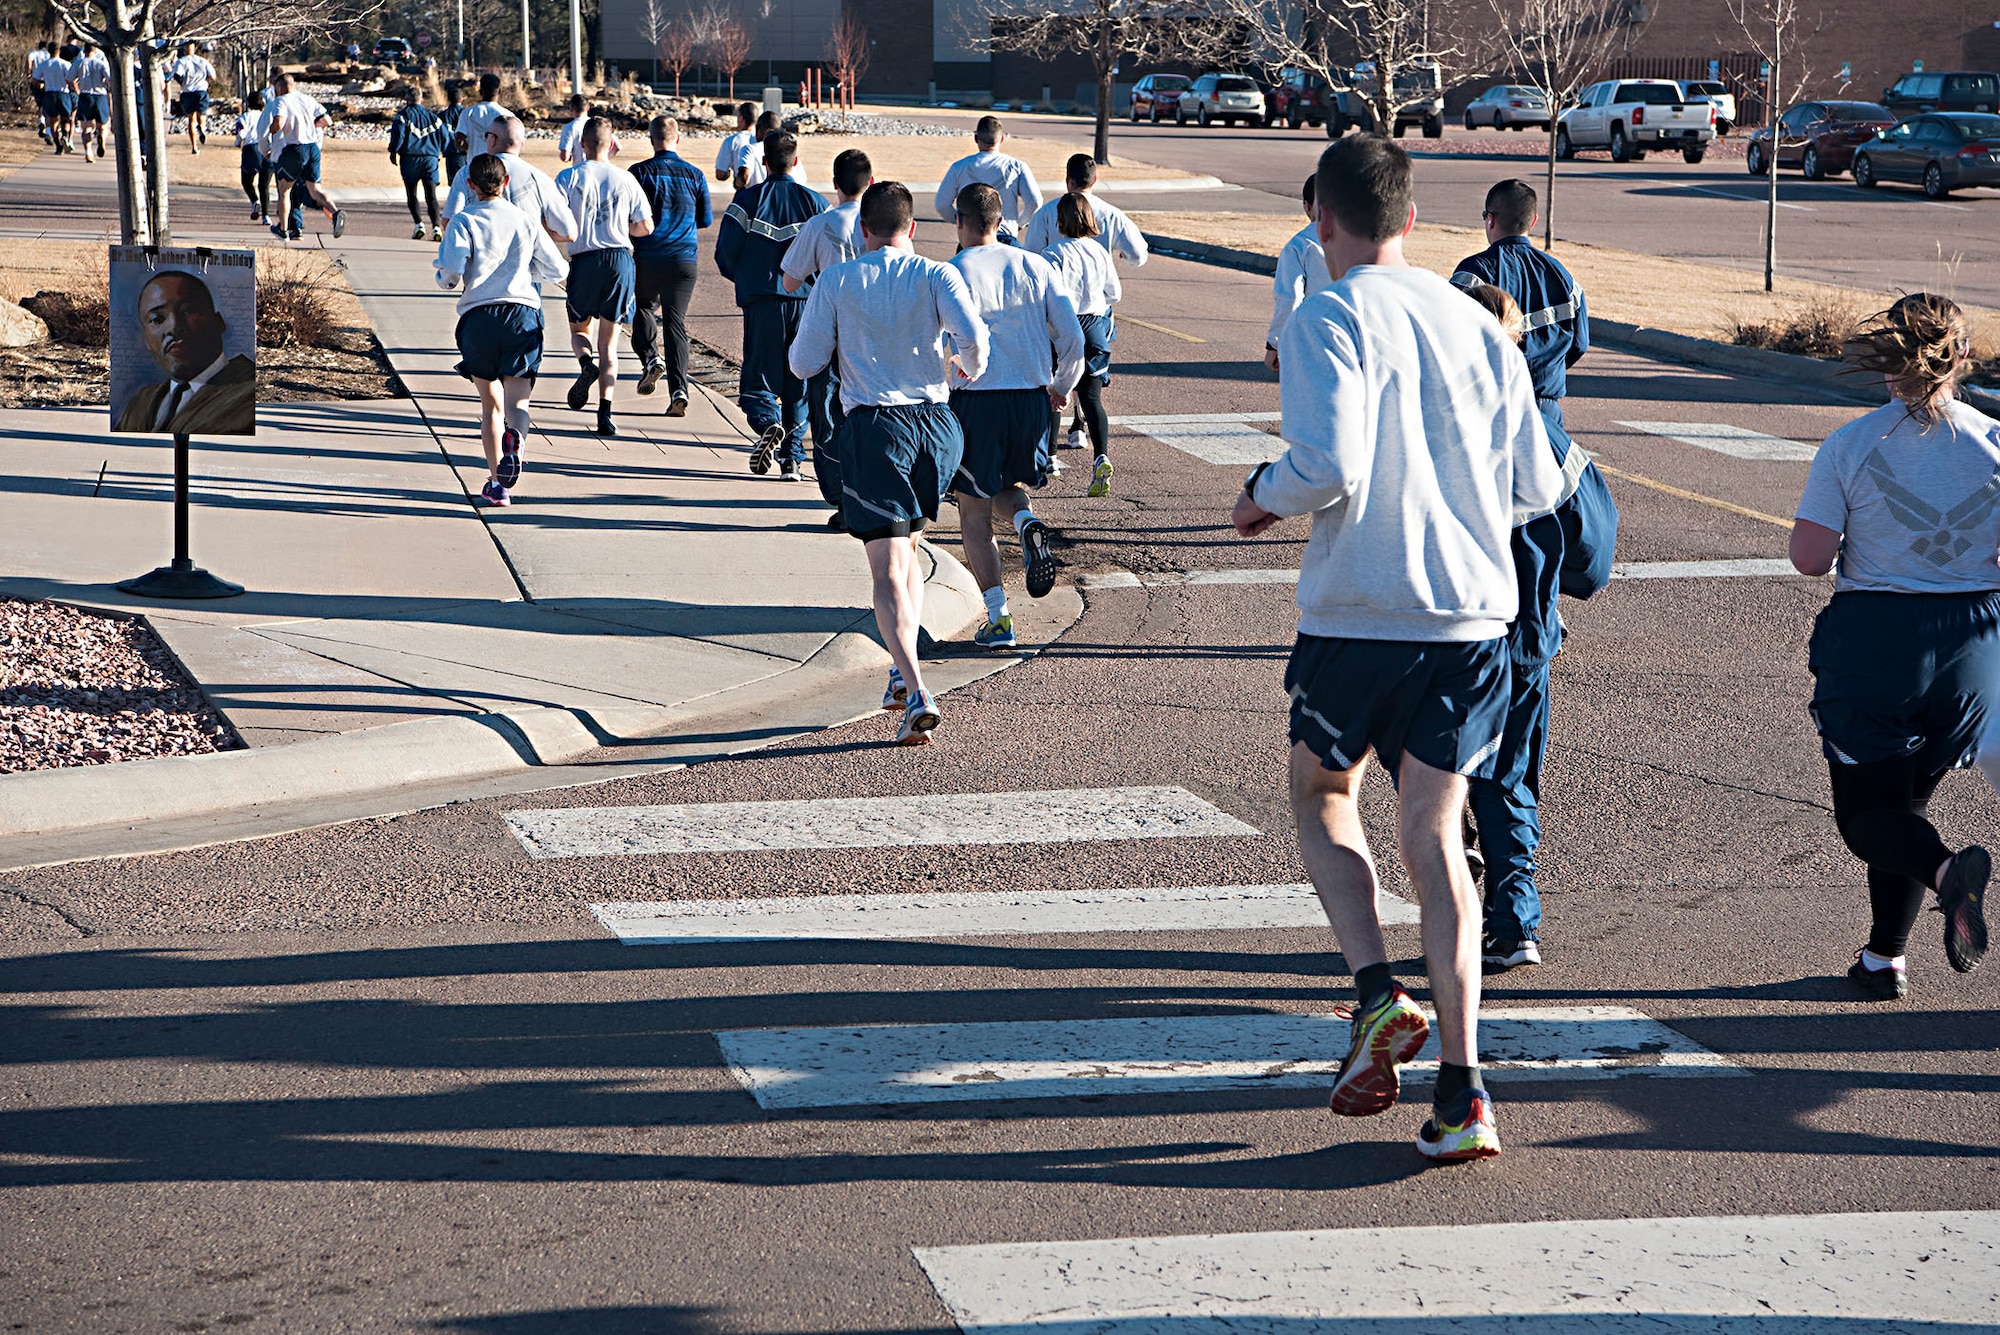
(781, 150)
(281, 83)
(489, 86)
(577, 102)
(1512, 206)
(596, 134)
(746, 111)
(1309, 190)
(1080, 170)
(766, 123)
(487, 174)
(851, 170)
(1074, 216)
(1364, 182)
(1501, 304)
(255, 101)
(664, 127)
(979, 204)
(886, 210)
(987, 133)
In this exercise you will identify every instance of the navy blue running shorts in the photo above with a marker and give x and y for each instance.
(500, 340)
(1905, 674)
(895, 464)
(193, 104)
(59, 104)
(418, 168)
(1099, 333)
(603, 285)
(299, 162)
(1444, 702)
(94, 107)
(1006, 439)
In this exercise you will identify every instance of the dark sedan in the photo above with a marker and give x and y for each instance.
(1819, 138)
(1942, 153)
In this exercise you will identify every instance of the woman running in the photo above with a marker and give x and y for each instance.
(254, 168)
(1089, 277)
(1906, 656)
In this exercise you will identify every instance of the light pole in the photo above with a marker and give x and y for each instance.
(576, 46)
(525, 22)
(461, 34)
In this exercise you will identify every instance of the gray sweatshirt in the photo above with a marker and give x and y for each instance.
(1414, 443)
(887, 315)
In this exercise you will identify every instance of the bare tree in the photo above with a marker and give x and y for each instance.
(727, 42)
(654, 25)
(677, 50)
(1776, 30)
(847, 51)
(1110, 32)
(1556, 47)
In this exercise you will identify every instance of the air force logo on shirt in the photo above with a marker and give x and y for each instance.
(1939, 538)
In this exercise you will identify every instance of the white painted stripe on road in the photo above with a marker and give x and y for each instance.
(1062, 816)
(1702, 569)
(1216, 438)
(1757, 198)
(941, 1063)
(1175, 419)
(1855, 1274)
(943, 916)
(1733, 441)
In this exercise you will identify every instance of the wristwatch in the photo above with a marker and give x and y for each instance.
(1250, 483)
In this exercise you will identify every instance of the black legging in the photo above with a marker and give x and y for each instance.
(257, 187)
(1881, 809)
(1090, 406)
(430, 200)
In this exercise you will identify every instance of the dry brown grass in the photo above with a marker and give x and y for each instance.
(1817, 327)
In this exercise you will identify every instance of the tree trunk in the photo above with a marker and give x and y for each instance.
(1549, 189)
(133, 229)
(156, 147)
(1385, 107)
(1107, 83)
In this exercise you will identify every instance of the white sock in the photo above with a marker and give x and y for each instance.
(996, 602)
(1022, 518)
(1870, 960)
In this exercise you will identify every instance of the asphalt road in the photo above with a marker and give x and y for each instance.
(391, 1075)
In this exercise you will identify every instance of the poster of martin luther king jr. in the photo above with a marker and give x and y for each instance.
(183, 341)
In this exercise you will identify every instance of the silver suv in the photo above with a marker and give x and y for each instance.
(1221, 97)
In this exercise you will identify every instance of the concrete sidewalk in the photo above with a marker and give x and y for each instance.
(396, 644)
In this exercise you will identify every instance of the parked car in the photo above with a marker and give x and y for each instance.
(1819, 138)
(1419, 97)
(1632, 116)
(1221, 97)
(1508, 107)
(1942, 153)
(1947, 90)
(1157, 95)
(1304, 99)
(1724, 100)
(391, 51)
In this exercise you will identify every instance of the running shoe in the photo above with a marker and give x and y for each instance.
(1961, 900)
(339, 223)
(1100, 478)
(509, 471)
(256, 214)
(437, 233)
(1891, 984)
(898, 693)
(418, 234)
(650, 377)
(1497, 954)
(791, 473)
(837, 521)
(996, 634)
(920, 720)
(277, 231)
(586, 380)
(766, 447)
(494, 494)
(1055, 470)
(1075, 440)
(605, 426)
(1465, 1132)
(1041, 561)
(1386, 1035)
(678, 407)
(294, 234)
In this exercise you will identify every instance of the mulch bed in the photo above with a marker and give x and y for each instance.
(53, 374)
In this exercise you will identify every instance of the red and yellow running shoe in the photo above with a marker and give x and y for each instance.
(1467, 1132)
(1385, 1036)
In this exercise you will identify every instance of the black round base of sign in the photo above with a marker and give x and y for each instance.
(180, 581)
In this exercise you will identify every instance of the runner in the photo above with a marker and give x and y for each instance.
(1551, 302)
(886, 315)
(757, 229)
(192, 72)
(474, 121)
(58, 104)
(497, 252)
(38, 53)
(830, 238)
(253, 167)
(1019, 195)
(91, 77)
(749, 169)
(732, 145)
(610, 210)
(289, 134)
(416, 142)
(1301, 272)
(454, 141)
(1906, 656)
(572, 130)
(1090, 279)
(529, 188)
(1115, 232)
(1004, 412)
(668, 261)
(1412, 440)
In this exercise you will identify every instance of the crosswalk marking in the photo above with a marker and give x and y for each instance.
(1039, 1059)
(1854, 1274)
(1174, 579)
(1734, 441)
(941, 916)
(1216, 438)
(1702, 569)
(1061, 816)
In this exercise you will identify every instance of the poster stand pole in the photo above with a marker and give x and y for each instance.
(182, 578)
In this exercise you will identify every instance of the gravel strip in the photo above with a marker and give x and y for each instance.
(81, 688)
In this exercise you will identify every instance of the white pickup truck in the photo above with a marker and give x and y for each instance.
(1633, 116)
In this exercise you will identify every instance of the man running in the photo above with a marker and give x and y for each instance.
(192, 72)
(529, 188)
(416, 142)
(475, 120)
(1413, 441)
(732, 146)
(887, 316)
(91, 77)
(455, 152)
(1301, 272)
(572, 130)
(749, 169)
(1004, 413)
(290, 134)
(1019, 195)
(610, 210)
(1551, 302)
(58, 103)
(667, 261)
(32, 63)
(757, 229)
(830, 238)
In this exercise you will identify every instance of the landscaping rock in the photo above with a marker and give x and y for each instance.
(20, 328)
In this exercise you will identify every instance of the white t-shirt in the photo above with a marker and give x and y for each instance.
(1115, 232)
(192, 73)
(1085, 271)
(528, 189)
(53, 71)
(92, 74)
(606, 202)
(291, 119)
(1301, 272)
(475, 121)
(569, 136)
(725, 156)
(823, 241)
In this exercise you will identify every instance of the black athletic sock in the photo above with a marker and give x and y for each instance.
(1370, 983)
(1454, 1080)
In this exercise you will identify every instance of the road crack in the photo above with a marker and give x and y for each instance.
(1705, 779)
(56, 909)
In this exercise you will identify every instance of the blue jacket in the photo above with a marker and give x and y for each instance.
(757, 229)
(678, 192)
(417, 132)
(1558, 321)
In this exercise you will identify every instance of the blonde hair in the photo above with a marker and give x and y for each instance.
(1922, 345)
(1504, 308)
